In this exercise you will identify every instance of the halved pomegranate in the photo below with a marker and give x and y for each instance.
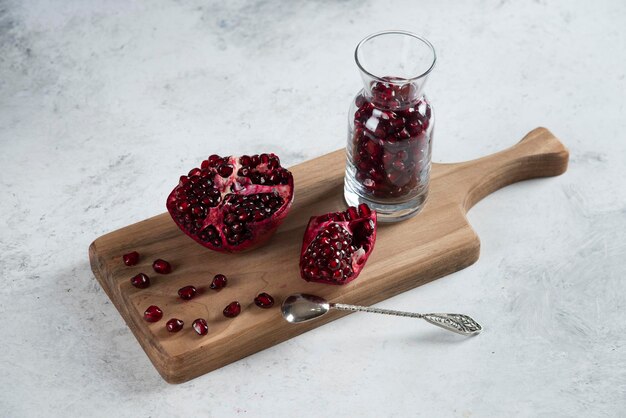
(232, 203)
(337, 245)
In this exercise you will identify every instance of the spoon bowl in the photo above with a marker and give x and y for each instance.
(302, 307)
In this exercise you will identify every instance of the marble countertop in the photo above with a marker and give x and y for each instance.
(102, 104)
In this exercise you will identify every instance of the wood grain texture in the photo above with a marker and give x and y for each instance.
(436, 242)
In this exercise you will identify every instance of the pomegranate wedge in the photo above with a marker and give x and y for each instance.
(337, 245)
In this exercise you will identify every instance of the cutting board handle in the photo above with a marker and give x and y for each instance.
(538, 154)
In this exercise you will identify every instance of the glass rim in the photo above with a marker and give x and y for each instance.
(397, 32)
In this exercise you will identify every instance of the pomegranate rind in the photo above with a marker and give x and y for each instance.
(318, 224)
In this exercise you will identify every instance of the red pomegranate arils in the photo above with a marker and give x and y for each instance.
(200, 326)
(131, 259)
(174, 325)
(391, 140)
(140, 281)
(219, 281)
(162, 266)
(187, 292)
(153, 314)
(264, 300)
(232, 310)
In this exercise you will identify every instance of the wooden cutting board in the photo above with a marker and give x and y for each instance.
(436, 242)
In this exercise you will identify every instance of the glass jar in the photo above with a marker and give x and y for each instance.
(390, 126)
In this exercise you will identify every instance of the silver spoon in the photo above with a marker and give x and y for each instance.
(301, 307)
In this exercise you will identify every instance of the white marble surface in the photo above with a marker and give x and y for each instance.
(102, 104)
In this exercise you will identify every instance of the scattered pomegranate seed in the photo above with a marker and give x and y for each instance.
(140, 281)
(219, 281)
(200, 326)
(264, 300)
(174, 325)
(162, 266)
(153, 314)
(131, 259)
(187, 292)
(232, 310)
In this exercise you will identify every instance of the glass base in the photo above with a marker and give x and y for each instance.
(387, 211)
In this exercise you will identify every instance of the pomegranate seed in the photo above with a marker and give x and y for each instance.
(200, 326)
(398, 165)
(153, 313)
(183, 206)
(232, 309)
(187, 292)
(174, 325)
(334, 264)
(225, 170)
(365, 211)
(264, 300)
(162, 266)
(140, 281)
(219, 281)
(245, 161)
(131, 259)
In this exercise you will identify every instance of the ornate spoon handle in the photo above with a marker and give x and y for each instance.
(459, 323)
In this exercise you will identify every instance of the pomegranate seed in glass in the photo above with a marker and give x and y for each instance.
(390, 126)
